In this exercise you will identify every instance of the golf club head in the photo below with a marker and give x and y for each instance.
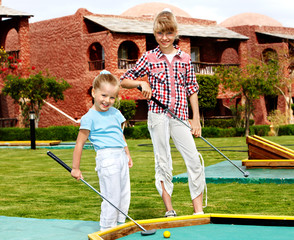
(148, 232)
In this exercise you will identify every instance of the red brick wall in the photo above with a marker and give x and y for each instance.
(21, 40)
(61, 45)
(255, 50)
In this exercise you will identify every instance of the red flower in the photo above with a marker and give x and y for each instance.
(10, 58)
(13, 66)
(18, 60)
(33, 67)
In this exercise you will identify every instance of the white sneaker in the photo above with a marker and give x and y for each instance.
(198, 213)
(171, 213)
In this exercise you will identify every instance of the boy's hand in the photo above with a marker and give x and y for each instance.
(77, 174)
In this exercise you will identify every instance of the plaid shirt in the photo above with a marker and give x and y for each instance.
(171, 83)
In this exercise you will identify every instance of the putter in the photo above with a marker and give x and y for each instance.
(144, 233)
(245, 174)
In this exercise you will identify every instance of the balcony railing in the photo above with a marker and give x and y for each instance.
(8, 122)
(96, 65)
(207, 68)
(126, 63)
(14, 54)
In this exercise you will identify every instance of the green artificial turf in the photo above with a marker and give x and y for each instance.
(34, 185)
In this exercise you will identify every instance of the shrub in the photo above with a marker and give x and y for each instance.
(69, 133)
(211, 132)
(63, 133)
(286, 130)
(260, 130)
(137, 132)
(127, 107)
(277, 118)
(225, 123)
(14, 134)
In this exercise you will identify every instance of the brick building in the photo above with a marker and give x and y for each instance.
(19, 22)
(265, 35)
(79, 46)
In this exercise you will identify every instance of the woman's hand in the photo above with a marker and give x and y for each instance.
(146, 90)
(195, 128)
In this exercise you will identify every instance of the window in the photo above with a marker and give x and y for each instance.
(127, 55)
(195, 54)
(269, 54)
(96, 57)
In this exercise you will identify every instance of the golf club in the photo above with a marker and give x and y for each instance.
(245, 174)
(144, 233)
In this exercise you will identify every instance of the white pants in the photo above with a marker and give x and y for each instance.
(161, 128)
(113, 172)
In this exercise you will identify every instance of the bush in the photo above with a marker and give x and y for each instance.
(211, 132)
(224, 123)
(127, 107)
(260, 130)
(69, 133)
(14, 134)
(137, 132)
(221, 123)
(63, 133)
(286, 130)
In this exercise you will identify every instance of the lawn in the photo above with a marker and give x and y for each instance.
(33, 185)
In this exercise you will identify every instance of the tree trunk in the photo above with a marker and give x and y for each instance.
(202, 118)
(247, 116)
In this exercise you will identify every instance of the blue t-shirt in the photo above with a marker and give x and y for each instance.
(105, 128)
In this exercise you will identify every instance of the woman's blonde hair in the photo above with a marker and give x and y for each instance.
(165, 21)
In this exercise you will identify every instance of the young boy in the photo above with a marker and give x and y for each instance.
(171, 79)
(102, 125)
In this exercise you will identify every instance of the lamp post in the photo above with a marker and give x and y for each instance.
(33, 131)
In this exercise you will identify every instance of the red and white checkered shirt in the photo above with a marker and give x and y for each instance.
(171, 83)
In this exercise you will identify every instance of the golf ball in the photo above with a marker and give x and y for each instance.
(166, 234)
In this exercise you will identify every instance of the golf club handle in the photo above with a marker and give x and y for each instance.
(154, 99)
(63, 164)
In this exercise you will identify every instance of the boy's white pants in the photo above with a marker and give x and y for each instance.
(113, 172)
(161, 128)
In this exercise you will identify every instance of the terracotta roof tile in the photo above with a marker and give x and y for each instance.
(9, 12)
(123, 25)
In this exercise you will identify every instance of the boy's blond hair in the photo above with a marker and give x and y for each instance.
(165, 21)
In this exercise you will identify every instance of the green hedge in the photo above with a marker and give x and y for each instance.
(69, 133)
(14, 134)
(64, 133)
(286, 130)
(224, 123)
(137, 132)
